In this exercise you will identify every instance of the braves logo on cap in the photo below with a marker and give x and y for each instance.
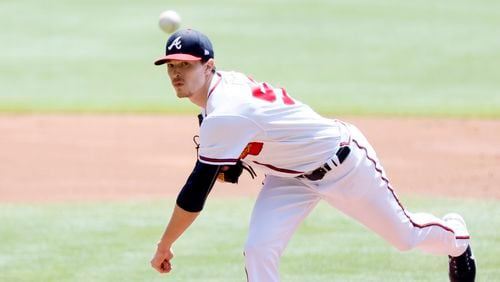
(177, 43)
(187, 45)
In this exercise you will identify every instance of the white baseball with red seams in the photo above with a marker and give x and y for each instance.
(284, 138)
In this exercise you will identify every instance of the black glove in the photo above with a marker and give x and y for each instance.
(231, 173)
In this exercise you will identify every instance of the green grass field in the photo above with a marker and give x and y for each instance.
(342, 57)
(115, 241)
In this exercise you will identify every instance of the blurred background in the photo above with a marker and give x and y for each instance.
(438, 58)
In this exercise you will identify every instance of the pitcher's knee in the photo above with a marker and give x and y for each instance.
(404, 244)
(260, 250)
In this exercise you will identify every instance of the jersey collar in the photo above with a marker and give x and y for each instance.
(213, 84)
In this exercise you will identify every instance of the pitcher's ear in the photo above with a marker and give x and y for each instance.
(210, 65)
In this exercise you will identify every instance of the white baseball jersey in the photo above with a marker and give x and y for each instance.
(262, 125)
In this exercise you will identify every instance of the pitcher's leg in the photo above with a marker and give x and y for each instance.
(281, 206)
(368, 197)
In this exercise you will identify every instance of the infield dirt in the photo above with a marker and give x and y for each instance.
(56, 158)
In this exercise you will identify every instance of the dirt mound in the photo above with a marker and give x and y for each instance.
(59, 158)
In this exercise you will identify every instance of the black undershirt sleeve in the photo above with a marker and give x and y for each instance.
(193, 195)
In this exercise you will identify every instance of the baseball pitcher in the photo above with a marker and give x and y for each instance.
(305, 157)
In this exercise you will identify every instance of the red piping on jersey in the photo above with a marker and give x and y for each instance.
(216, 84)
(218, 160)
(279, 169)
(399, 203)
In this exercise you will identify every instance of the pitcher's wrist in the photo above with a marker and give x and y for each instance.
(163, 246)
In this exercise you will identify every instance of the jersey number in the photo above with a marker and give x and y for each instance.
(265, 92)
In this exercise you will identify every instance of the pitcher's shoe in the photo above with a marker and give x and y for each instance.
(463, 267)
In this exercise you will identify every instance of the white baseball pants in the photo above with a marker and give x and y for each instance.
(359, 188)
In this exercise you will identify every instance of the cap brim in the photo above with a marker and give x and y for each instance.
(178, 57)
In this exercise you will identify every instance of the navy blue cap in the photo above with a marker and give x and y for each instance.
(187, 45)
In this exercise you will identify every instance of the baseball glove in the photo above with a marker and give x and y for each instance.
(231, 173)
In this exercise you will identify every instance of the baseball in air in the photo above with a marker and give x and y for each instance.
(169, 21)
